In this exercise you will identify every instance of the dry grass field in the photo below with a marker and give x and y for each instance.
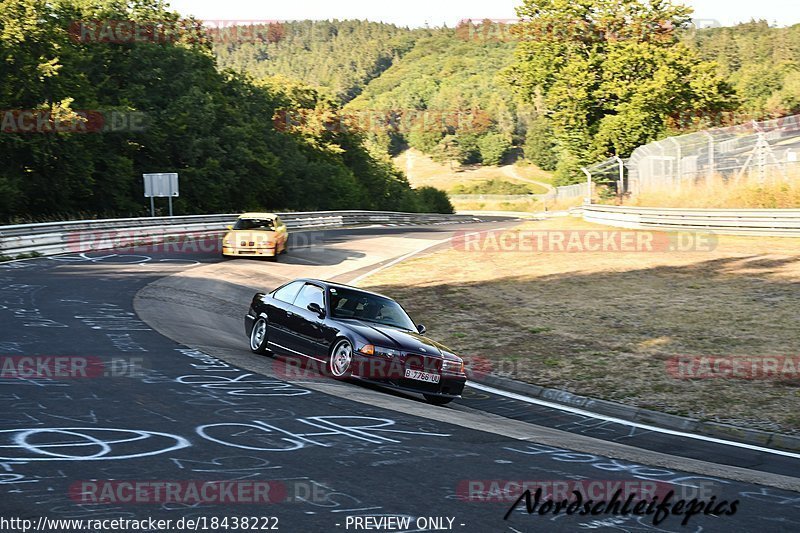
(530, 206)
(605, 324)
(422, 170)
(776, 192)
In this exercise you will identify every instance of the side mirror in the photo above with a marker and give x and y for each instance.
(315, 308)
(422, 329)
(229, 227)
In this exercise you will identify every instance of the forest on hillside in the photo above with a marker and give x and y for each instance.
(762, 64)
(305, 115)
(566, 97)
(339, 56)
(88, 105)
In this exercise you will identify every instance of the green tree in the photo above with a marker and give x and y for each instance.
(786, 100)
(424, 140)
(609, 75)
(493, 147)
(433, 200)
(540, 147)
(214, 127)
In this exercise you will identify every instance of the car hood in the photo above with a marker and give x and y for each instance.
(399, 339)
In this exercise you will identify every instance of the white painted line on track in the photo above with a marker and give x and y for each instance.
(574, 410)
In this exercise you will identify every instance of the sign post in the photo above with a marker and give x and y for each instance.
(160, 186)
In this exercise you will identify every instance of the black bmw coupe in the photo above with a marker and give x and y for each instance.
(349, 332)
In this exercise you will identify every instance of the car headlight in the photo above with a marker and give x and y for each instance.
(227, 242)
(370, 349)
(455, 367)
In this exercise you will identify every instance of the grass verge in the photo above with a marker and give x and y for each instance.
(606, 324)
(28, 255)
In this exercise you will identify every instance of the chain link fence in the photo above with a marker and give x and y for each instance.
(610, 173)
(762, 152)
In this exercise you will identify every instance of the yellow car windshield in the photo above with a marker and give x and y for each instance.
(255, 224)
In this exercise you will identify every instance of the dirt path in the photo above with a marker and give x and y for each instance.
(511, 172)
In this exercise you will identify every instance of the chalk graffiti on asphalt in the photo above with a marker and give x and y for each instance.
(262, 436)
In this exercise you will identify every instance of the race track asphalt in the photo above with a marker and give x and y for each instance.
(173, 394)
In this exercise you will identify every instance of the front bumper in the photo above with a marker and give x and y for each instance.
(450, 385)
(251, 251)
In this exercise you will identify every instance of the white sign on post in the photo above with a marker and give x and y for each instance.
(160, 186)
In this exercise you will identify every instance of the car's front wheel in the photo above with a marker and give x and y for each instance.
(258, 337)
(340, 362)
(437, 400)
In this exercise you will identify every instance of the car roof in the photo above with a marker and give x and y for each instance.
(332, 285)
(258, 215)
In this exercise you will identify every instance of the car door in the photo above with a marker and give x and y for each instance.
(280, 314)
(307, 326)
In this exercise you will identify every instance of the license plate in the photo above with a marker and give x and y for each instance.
(422, 376)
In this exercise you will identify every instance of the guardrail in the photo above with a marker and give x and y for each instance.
(52, 238)
(763, 222)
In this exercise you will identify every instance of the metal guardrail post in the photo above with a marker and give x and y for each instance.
(621, 181)
(588, 199)
(712, 168)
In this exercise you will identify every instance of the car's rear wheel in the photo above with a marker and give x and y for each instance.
(437, 400)
(258, 337)
(340, 363)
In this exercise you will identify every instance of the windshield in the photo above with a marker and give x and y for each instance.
(266, 224)
(349, 303)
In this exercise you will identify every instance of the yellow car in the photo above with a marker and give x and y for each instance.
(256, 235)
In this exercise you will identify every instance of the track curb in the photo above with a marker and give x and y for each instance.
(644, 416)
